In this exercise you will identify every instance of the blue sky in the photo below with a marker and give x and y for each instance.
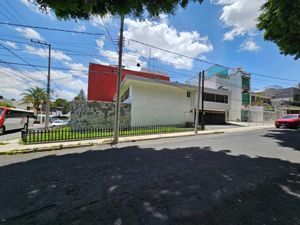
(218, 31)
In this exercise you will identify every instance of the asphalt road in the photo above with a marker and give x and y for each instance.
(240, 178)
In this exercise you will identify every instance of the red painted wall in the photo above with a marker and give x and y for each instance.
(102, 81)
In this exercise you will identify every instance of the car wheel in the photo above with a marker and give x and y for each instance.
(2, 130)
(277, 126)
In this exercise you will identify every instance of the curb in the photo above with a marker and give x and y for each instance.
(123, 140)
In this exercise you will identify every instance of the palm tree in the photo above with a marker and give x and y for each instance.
(35, 96)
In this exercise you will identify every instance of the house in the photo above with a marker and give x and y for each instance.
(160, 102)
(286, 99)
(237, 82)
(102, 81)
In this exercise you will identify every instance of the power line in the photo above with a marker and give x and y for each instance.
(22, 18)
(51, 29)
(20, 58)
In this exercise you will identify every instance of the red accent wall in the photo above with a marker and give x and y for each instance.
(102, 81)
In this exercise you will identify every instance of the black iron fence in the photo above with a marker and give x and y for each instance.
(67, 134)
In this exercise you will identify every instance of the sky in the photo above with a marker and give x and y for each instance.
(217, 31)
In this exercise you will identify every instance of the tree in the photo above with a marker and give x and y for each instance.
(35, 96)
(80, 9)
(62, 104)
(80, 97)
(281, 21)
(6, 104)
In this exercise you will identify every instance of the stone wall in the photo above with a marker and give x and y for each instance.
(97, 114)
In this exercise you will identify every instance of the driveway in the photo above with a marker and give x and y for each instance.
(230, 179)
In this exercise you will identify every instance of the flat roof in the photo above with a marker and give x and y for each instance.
(187, 87)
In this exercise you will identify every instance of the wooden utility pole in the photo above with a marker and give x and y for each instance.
(198, 103)
(119, 76)
(48, 82)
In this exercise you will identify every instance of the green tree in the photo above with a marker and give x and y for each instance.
(80, 97)
(61, 104)
(280, 20)
(35, 96)
(6, 104)
(80, 9)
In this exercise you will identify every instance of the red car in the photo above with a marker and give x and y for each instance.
(290, 121)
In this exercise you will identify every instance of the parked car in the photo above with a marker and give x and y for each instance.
(59, 122)
(290, 121)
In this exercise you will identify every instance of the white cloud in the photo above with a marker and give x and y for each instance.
(100, 21)
(55, 54)
(100, 42)
(77, 69)
(29, 33)
(10, 44)
(62, 82)
(99, 61)
(161, 34)
(80, 28)
(36, 9)
(129, 61)
(249, 45)
(240, 16)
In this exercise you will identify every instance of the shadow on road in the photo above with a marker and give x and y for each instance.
(144, 186)
(286, 137)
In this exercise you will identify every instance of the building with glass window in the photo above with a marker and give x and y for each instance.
(237, 82)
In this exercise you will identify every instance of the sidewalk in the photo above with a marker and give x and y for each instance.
(14, 146)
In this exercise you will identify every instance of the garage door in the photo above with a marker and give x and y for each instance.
(214, 117)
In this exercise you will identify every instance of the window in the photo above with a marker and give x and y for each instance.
(209, 97)
(220, 98)
(125, 95)
(188, 94)
(215, 98)
(1, 111)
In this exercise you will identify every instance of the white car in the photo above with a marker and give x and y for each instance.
(60, 122)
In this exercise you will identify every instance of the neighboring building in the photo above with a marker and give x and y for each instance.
(102, 80)
(287, 99)
(22, 105)
(258, 99)
(159, 102)
(237, 82)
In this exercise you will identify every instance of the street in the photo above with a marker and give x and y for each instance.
(10, 135)
(236, 178)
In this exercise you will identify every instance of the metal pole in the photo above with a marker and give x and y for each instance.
(48, 89)
(119, 76)
(48, 82)
(198, 103)
(202, 102)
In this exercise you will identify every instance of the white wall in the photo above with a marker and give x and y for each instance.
(154, 104)
(234, 85)
(236, 97)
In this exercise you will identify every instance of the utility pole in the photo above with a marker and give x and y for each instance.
(202, 102)
(119, 76)
(48, 82)
(198, 103)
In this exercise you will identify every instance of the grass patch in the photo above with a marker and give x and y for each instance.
(67, 134)
(2, 143)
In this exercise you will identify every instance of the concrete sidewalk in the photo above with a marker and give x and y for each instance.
(14, 146)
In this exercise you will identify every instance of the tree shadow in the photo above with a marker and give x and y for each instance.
(286, 137)
(135, 186)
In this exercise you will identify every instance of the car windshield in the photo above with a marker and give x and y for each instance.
(57, 121)
(289, 116)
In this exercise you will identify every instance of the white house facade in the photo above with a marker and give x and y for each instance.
(157, 102)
